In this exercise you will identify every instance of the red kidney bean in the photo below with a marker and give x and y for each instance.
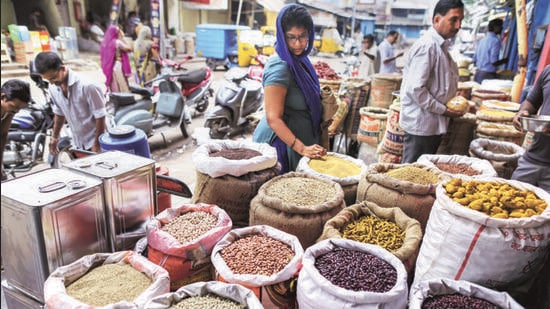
(356, 271)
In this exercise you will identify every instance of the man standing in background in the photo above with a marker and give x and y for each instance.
(487, 52)
(387, 53)
(430, 80)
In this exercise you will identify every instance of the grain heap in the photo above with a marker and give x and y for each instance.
(181, 240)
(109, 284)
(376, 231)
(298, 204)
(207, 301)
(456, 301)
(340, 168)
(410, 187)
(459, 165)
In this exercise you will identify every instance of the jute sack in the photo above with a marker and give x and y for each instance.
(373, 125)
(348, 182)
(392, 142)
(314, 291)
(460, 134)
(414, 199)
(231, 184)
(503, 155)
(234, 292)
(304, 221)
(55, 291)
(484, 167)
(413, 232)
(465, 244)
(441, 286)
(185, 262)
(330, 107)
(278, 286)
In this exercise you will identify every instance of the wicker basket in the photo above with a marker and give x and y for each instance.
(333, 84)
(357, 91)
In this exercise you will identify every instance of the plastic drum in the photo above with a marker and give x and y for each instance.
(125, 138)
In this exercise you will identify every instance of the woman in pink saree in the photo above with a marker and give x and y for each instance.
(115, 62)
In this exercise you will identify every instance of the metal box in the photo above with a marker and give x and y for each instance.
(49, 219)
(16, 299)
(129, 182)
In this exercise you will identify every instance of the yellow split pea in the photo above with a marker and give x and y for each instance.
(335, 166)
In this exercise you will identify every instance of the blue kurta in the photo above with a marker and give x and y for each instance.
(296, 114)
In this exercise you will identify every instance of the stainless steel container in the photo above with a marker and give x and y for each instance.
(129, 182)
(17, 299)
(49, 219)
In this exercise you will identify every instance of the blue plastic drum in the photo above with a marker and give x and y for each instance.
(125, 138)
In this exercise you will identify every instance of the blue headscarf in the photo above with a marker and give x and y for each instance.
(302, 70)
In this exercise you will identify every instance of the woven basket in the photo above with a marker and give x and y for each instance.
(333, 84)
(358, 93)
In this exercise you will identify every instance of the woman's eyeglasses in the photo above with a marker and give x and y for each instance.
(293, 39)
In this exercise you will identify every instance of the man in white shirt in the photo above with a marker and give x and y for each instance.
(79, 101)
(387, 53)
(367, 56)
(430, 80)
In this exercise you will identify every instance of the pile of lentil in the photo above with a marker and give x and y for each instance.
(335, 166)
(207, 301)
(498, 200)
(376, 231)
(301, 191)
(190, 226)
(464, 169)
(109, 284)
(456, 301)
(236, 153)
(356, 271)
(257, 255)
(413, 174)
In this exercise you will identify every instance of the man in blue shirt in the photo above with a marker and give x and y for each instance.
(487, 53)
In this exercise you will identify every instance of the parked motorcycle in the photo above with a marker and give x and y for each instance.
(26, 141)
(256, 68)
(237, 100)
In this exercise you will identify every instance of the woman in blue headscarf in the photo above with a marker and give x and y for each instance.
(292, 93)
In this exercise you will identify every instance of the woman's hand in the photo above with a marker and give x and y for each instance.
(314, 151)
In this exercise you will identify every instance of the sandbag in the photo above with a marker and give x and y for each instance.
(503, 155)
(55, 291)
(185, 262)
(413, 232)
(414, 199)
(483, 167)
(441, 286)
(235, 292)
(278, 285)
(232, 194)
(304, 221)
(348, 182)
(220, 166)
(316, 291)
(465, 244)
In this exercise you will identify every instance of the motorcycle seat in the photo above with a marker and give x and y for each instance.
(251, 85)
(122, 99)
(144, 91)
(193, 77)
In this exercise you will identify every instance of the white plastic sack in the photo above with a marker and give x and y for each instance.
(484, 167)
(303, 166)
(250, 280)
(424, 289)
(219, 166)
(463, 244)
(316, 292)
(55, 292)
(234, 292)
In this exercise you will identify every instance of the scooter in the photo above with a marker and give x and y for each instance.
(256, 68)
(237, 100)
(26, 141)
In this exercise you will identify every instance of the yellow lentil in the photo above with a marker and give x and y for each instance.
(335, 166)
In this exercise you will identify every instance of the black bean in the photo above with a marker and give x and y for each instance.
(357, 271)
